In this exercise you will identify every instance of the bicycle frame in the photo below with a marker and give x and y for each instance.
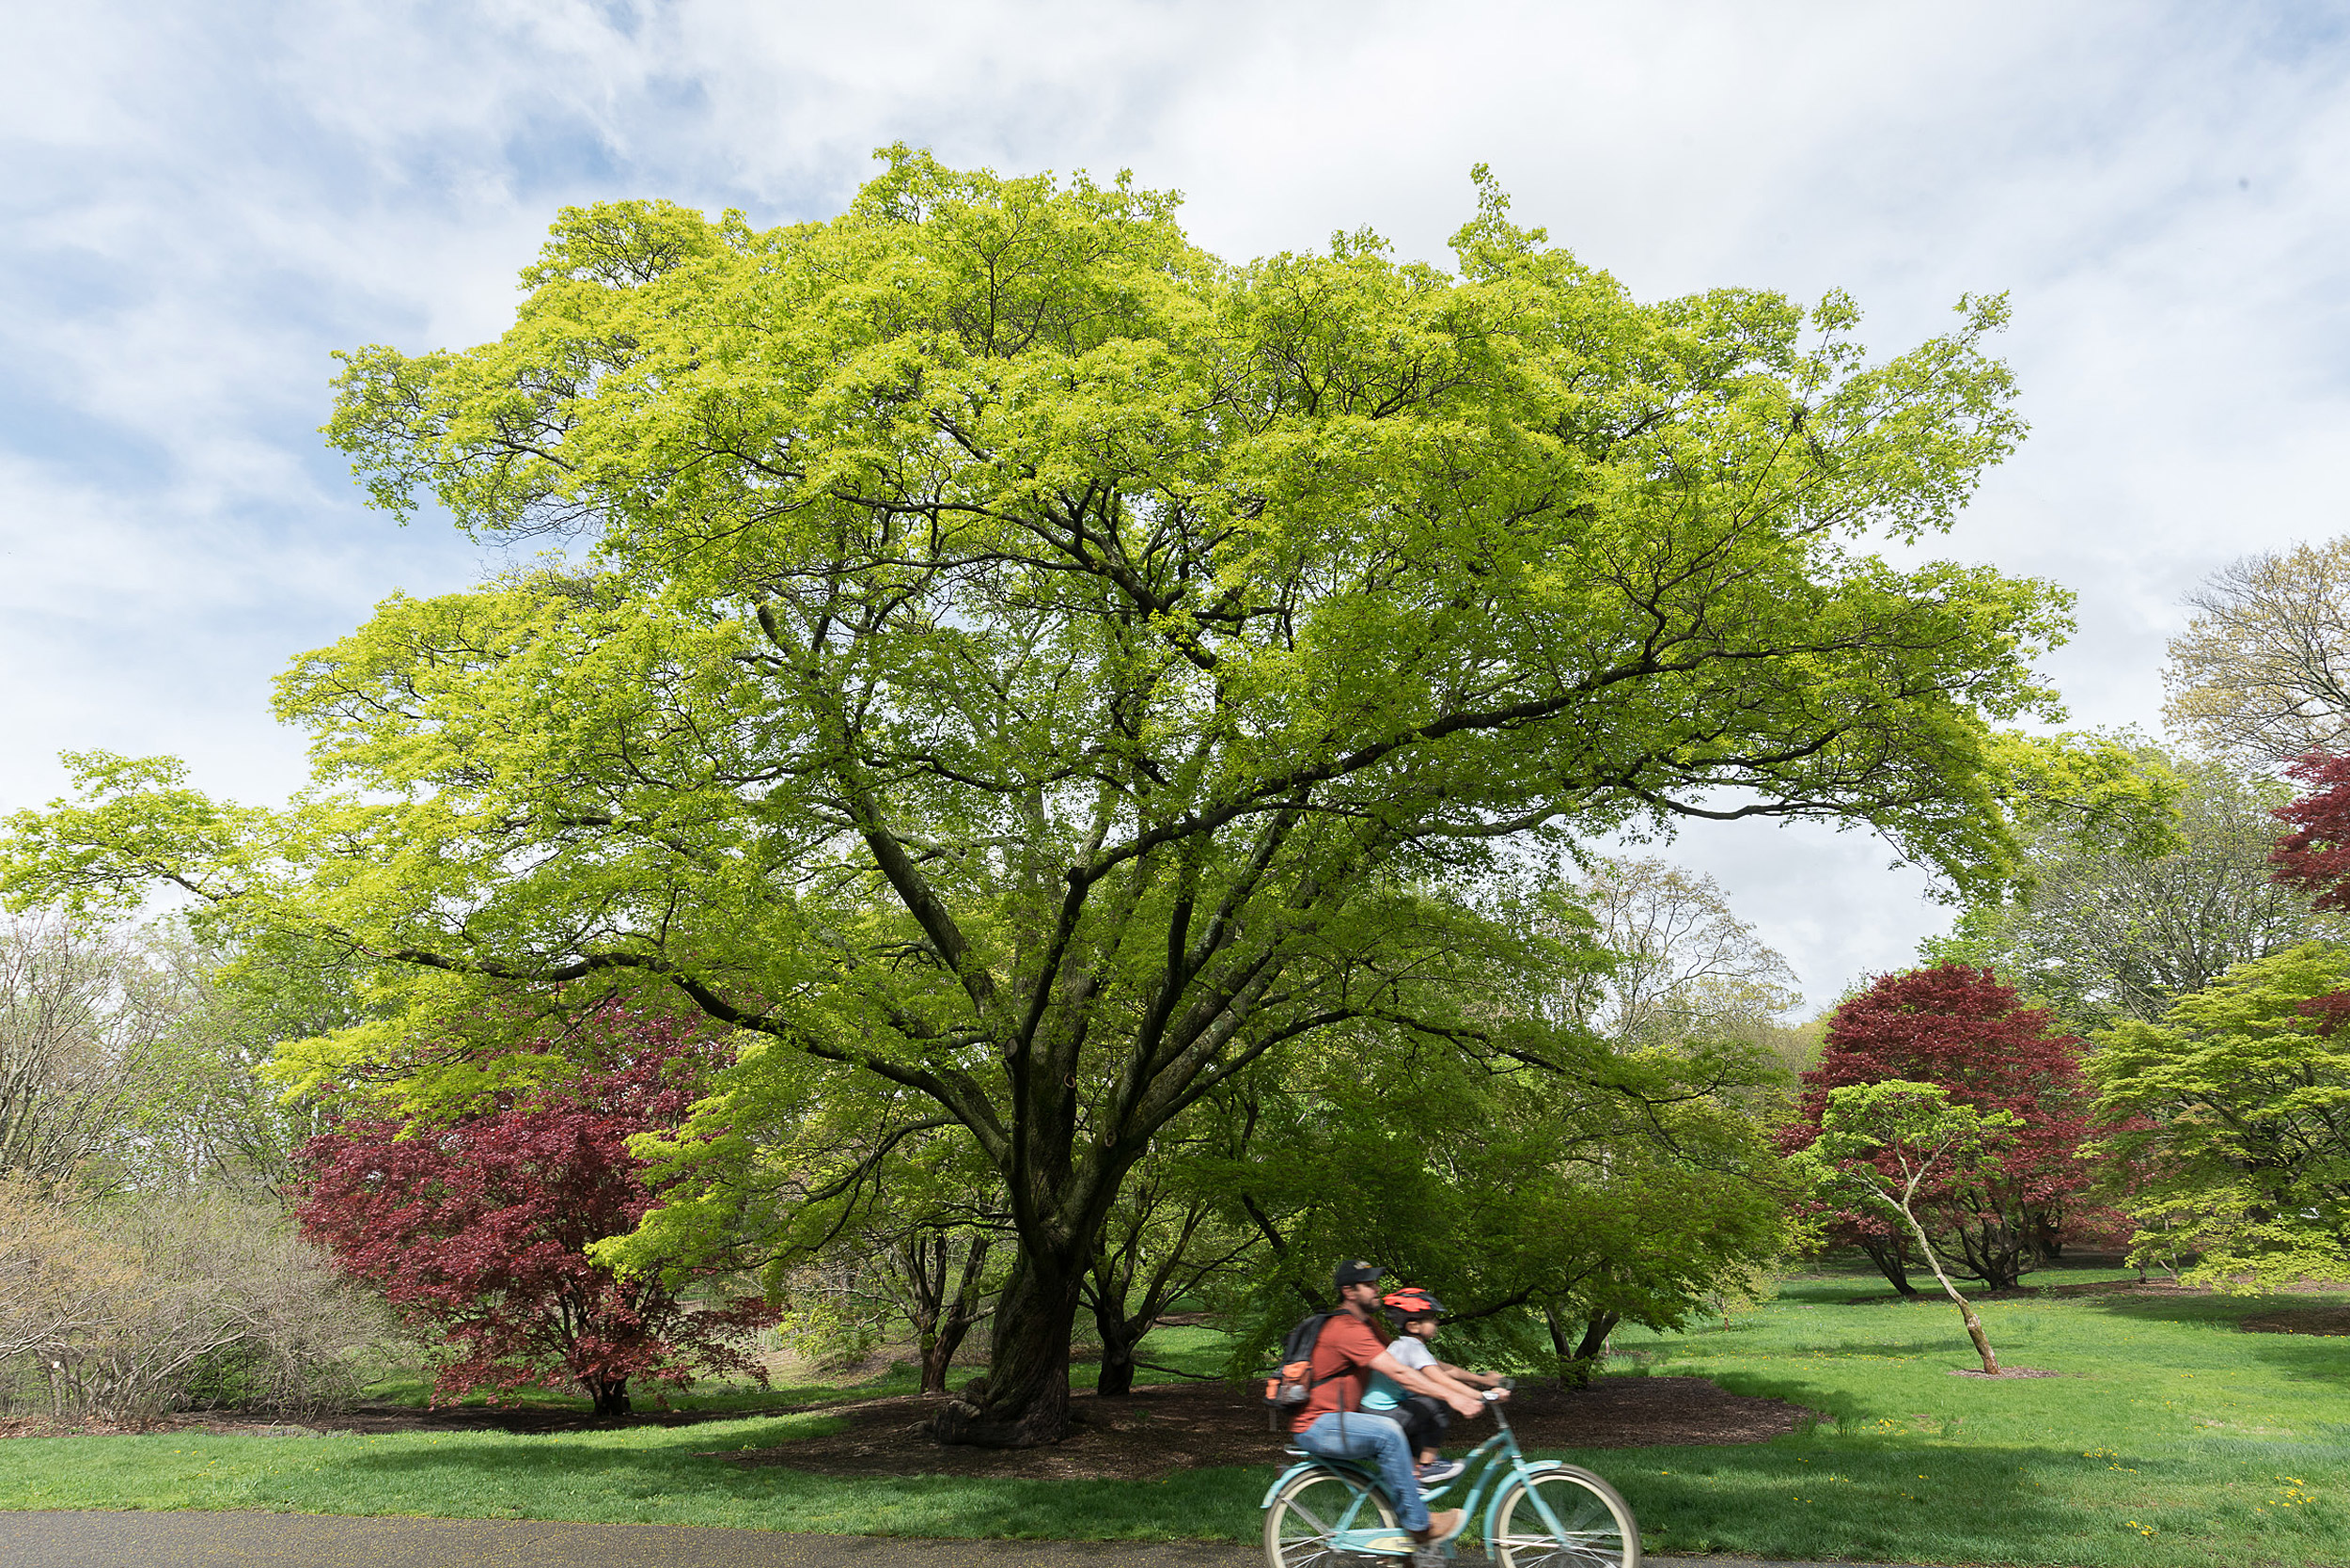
(1495, 1463)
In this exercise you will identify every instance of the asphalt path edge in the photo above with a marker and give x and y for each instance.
(257, 1540)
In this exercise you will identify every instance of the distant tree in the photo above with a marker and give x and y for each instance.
(478, 1225)
(1684, 965)
(2235, 1113)
(220, 1118)
(2100, 929)
(85, 1015)
(1172, 1235)
(2263, 672)
(1544, 1211)
(1961, 1029)
(1887, 1145)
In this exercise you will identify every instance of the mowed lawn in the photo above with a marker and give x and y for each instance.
(2171, 1435)
(2171, 1438)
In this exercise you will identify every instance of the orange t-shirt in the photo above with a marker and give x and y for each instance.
(1341, 1368)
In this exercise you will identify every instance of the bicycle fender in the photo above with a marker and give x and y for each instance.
(1282, 1480)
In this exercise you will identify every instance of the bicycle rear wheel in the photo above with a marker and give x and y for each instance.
(1303, 1523)
(1564, 1518)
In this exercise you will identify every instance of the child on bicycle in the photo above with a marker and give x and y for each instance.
(1333, 1424)
(1415, 1311)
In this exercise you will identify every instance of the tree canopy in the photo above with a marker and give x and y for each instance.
(1014, 654)
(2100, 927)
(2262, 674)
(1963, 1032)
(2232, 1117)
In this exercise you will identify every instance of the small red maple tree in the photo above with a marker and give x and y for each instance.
(2315, 856)
(477, 1227)
(1959, 1028)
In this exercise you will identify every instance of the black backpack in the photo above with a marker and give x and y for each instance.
(1293, 1384)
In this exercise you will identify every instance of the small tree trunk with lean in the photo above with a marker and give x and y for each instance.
(1919, 1128)
(1966, 1311)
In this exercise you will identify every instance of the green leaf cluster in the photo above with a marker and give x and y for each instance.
(2231, 1120)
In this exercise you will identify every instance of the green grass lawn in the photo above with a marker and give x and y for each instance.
(2173, 1438)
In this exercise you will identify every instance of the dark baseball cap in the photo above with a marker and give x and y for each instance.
(1356, 1272)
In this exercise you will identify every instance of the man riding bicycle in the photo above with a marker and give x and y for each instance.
(1333, 1424)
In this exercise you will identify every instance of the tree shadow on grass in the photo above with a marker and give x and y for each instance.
(676, 1478)
(1881, 1350)
(2320, 1360)
(1872, 1501)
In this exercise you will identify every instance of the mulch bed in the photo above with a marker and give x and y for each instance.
(1182, 1426)
(2299, 1320)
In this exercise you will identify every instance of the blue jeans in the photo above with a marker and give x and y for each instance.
(1376, 1438)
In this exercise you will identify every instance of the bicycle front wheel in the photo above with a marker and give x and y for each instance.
(1564, 1518)
(1310, 1521)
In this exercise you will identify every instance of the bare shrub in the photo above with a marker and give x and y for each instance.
(128, 1309)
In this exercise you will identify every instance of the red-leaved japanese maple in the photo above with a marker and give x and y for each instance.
(2315, 856)
(1959, 1028)
(476, 1226)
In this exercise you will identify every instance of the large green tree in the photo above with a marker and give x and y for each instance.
(1020, 656)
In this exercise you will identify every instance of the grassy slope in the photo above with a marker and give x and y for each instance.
(2177, 1440)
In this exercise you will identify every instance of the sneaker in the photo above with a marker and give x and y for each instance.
(1442, 1528)
(1438, 1471)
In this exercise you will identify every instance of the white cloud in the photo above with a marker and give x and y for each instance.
(205, 200)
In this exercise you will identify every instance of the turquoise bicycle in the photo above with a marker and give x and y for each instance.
(1544, 1513)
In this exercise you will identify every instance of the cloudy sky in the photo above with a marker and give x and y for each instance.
(203, 201)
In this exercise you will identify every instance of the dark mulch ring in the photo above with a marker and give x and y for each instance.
(2299, 1320)
(1188, 1425)
(2008, 1371)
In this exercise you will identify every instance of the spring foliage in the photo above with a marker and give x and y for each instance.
(1041, 665)
(1961, 1030)
(2235, 1114)
(477, 1226)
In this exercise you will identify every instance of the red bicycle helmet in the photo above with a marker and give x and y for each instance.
(1412, 1301)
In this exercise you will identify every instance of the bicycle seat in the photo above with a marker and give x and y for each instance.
(1295, 1452)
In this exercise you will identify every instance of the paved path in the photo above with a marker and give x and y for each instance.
(312, 1541)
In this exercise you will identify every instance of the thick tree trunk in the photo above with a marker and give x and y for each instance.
(1595, 1334)
(1118, 1370)
(1887, 1255)
(2047, 1234)
(1998, 1243)
(611, 1398)
(1024, 1398)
